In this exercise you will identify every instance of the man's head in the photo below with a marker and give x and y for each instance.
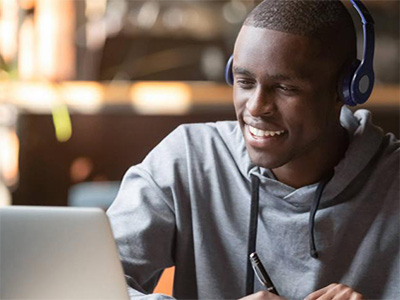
(327, 21)
(287, 62)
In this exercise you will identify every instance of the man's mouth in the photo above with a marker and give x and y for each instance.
(264, 133)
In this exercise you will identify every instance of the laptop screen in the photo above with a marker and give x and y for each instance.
(58, 253)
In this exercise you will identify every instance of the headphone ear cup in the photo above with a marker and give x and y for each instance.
(228, 71)
(345, 89)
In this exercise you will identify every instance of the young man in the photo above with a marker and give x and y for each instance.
(325, 180)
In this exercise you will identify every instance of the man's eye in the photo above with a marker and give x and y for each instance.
(287, 89)
(245, 83)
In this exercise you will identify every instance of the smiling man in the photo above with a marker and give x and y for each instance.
(287, 104)
(312, 187)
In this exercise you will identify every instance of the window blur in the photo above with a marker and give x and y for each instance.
(96, 40)
(88, 87)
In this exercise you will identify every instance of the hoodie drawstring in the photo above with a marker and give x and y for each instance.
(255, 186)
(313, 212)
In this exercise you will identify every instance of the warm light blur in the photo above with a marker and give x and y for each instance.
(80, 169)
(26, 54)
(45, 42)
(95, 9)
(9, 152)
(8, 29)
(161, 97)
(55, 39)
(38, 97)
(42, 96)
(27, 4)
(85, 97)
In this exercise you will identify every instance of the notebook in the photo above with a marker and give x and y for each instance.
(58, 253)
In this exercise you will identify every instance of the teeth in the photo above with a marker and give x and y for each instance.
(261, 133)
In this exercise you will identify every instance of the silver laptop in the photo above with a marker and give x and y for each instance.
(58, 253)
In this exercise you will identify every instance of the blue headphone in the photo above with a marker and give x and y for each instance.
(356, 85)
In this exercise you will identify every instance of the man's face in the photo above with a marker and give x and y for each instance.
(285, 97)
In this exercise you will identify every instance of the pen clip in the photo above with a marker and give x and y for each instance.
(260, 278)
(259, 275)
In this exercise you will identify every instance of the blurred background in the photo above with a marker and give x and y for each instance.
(88, 87)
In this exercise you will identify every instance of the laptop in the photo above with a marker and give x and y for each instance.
(58, 253)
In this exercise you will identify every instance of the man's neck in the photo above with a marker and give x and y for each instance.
(315, 166)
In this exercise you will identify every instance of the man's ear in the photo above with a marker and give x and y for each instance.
(339, 100)
(337, 96)
(338, 106)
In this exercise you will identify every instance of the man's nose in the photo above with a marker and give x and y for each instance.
(261, 103)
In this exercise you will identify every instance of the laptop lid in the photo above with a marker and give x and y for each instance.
(58, 253)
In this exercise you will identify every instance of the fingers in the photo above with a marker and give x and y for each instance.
(262, 295)
(335, 292)
(356, 296)
(315, 295)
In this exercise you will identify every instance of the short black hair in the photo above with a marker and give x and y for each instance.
(325, 20)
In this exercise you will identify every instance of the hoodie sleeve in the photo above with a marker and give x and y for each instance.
(143, 217)
(143, 227)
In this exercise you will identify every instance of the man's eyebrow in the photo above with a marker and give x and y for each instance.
(280, 77)
(243, 71)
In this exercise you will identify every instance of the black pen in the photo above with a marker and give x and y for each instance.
(262, 275)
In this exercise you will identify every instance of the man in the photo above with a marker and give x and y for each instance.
(325, 181)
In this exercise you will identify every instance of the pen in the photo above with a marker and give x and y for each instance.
(262, 275)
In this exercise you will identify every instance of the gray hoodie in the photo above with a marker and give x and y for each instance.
(188, 204)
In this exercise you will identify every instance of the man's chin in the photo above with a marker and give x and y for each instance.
(266, 161)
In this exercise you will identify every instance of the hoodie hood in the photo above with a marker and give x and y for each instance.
(365, 141)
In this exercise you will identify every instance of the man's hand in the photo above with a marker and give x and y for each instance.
(335, 291)
(262, 295)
